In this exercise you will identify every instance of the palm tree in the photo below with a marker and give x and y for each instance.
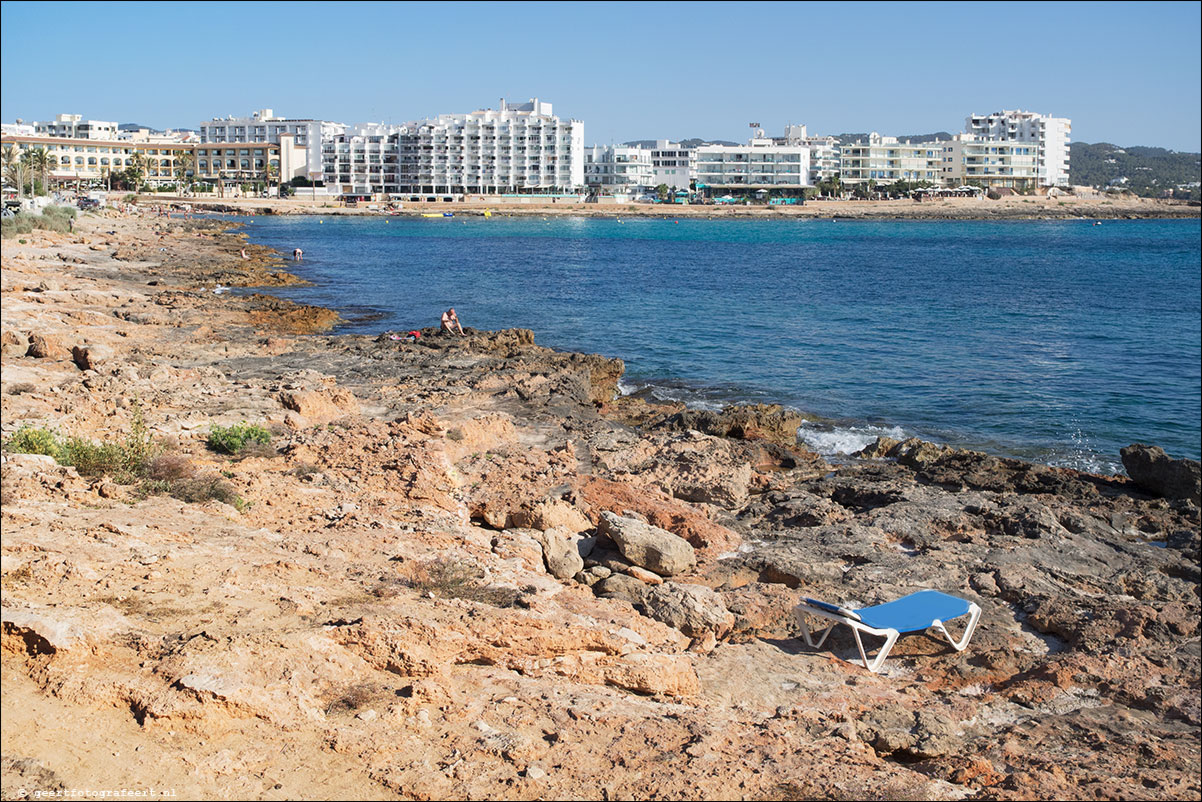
(13, 169)
(137, 169)
(271, 172)
(183, 166)
(40, 162)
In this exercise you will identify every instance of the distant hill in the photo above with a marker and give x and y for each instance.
(135, 127)
(1148, 172)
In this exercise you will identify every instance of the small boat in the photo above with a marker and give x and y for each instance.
(438, 214)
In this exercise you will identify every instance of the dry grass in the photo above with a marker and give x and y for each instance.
(356, 696)
(449, 578)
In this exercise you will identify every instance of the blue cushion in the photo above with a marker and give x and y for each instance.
(915, 612)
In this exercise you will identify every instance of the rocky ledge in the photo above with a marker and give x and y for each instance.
(459, 568)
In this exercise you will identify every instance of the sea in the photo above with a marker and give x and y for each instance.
(1053, 341)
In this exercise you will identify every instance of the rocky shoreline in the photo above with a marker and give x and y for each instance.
(462, 569)
(1010, 208)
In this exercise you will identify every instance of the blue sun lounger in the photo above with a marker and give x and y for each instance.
(914, 613)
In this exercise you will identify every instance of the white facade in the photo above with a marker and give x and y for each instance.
(885, 160)
(761, 164)
(518, 149)
(1051, 136)
(672, 165)
(363, 160)
(824, 152)
(619, 169)
(302, 137)
(990, 162)
(76, 127)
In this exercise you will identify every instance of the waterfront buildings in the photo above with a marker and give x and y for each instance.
(762, 166)
(885, 160)
(672, 165)
(525, 149)
(76, 159)
(620, 170)
(299, 140)
(989, 162)
(1050, 136)
(74, 126)
(515, 149)
(824, 152)
(362, 160)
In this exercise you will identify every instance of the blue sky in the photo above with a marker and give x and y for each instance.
(1127, 73)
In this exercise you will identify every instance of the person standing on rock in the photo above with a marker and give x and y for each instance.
(450, 322)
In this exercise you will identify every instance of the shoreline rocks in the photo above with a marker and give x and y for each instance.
(458, 565)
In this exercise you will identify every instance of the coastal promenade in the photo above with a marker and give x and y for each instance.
(1010, 208)
(417, 588)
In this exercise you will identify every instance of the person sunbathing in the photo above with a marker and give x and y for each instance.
(450, 322)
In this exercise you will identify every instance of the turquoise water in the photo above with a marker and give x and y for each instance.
(1054, 341)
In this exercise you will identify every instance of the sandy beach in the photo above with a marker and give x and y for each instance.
(431, 578)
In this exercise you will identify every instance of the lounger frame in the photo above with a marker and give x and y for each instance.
(890, 635)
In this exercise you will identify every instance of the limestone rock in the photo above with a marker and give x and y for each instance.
(92, 356)
(742, 422)
(319, 406)
(560, 552)
(621, 586)
(878, 449)
(648, 546)
(43, 346)
(1155, 471)
(693, 609)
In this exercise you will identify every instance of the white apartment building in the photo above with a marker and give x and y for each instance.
(990, 162)
(620, 170)
(76, 127)
(300, 140)
(517, 149)
(824, 152)
(761, 165)
(672, 165)
(363, 160)
(1050, 135)
(885, 160)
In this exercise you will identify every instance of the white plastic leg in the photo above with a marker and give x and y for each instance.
(814, 644)
(974, 615)
(808, 634)
(875, 665)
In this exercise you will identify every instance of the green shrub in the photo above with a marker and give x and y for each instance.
(239, 438)
(67, 212)
(26, 223)
(30, 440)
(123, 460)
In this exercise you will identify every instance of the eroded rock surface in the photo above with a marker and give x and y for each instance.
(461, 570)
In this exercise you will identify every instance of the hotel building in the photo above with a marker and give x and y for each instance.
(299, 140)
(672, 165)
(824, 152)
(620, 170)
(762, 165)
(1050, 136)
(74, 126)
(988, 162)
(885, 160)
(95, 159)
(517, 149)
